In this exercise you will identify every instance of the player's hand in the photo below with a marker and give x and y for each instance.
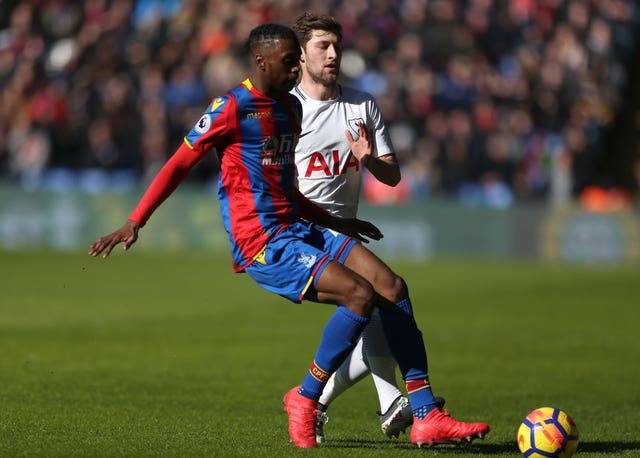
(127, 234)
(357, 228)
(360, 148)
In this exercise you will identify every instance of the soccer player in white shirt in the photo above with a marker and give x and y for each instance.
(342, 132)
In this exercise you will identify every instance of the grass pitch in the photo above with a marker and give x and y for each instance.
(175, 355)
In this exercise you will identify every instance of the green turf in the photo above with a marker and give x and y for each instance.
(175, 355)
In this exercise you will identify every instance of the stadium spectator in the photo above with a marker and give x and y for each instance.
(562, 64)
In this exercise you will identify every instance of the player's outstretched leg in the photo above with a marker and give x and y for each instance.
(438, 427)
(340, 336)
(430, 425)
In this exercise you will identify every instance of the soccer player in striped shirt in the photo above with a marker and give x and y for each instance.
(277, 236)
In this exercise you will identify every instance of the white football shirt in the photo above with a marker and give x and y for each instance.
(328, 173)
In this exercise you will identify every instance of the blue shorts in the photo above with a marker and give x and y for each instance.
(293, 259)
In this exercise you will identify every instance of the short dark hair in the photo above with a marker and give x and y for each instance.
(267, 34)
(308, 22)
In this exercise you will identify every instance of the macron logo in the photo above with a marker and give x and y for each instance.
(260, 115)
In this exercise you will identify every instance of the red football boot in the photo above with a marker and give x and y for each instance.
(302, 418)
(439, 428)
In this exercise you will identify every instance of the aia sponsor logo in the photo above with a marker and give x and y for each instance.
(328, 164)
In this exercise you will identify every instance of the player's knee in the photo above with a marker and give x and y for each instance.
(361, 298)
(393, 288)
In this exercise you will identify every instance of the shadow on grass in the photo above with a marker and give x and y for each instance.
(476, 447)
(486, 448)
(607, 447)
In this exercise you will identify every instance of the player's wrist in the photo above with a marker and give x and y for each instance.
(134, 225)
(365, 160)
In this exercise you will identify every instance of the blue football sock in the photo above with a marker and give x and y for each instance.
(421, 397)
(339, 337)
(407, 346)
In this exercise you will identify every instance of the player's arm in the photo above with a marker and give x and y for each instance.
(310, 210)
(166, 181)
(384, 168)
(353, 227)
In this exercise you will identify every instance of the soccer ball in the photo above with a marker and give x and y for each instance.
(548, 432)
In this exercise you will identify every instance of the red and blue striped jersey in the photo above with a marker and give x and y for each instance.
(255, 138)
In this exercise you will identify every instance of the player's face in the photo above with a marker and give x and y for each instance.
(280, 67)
(321, 57)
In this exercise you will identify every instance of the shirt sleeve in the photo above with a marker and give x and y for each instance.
(216, 127)
(382, 139)
(166, 181)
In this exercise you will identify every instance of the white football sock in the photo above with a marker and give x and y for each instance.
(352, 370)
(381, 362)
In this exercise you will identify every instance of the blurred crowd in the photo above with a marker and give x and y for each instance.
(487, 101)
